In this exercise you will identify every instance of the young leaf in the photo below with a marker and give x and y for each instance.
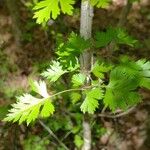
(48, 109)
(70, 50)
(118, 35)
(78, 79)
(39, 88)
(104, 38)
(54, 72)
(121, 91)
(99, 69)
(28, 108)
(78, 141)
(144, 72)
(47, 9)
(75, 97)
(124, 38)
(91, 100)
(100, 3)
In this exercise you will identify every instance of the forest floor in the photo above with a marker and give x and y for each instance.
(130, 132)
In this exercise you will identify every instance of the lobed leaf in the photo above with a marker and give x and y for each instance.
(78, 79)
(117, 35)
(69, 51)
(100, 3)
(28, 108)
(47, 9)
(54, 72)
(91, 100)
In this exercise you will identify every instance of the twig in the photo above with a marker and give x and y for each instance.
(53, 135)
(70, 90)
(66, 135)
(130, 110)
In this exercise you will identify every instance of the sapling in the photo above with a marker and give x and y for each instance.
(115, 84)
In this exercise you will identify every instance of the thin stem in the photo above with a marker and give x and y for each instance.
(53, 135)
(70, 90)
(130, 110)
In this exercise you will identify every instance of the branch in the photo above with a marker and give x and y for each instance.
(70, 90)
(53, 135)
(130, 110)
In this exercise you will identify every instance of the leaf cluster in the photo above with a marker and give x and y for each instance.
(125, 79)
(69, 51)
(28, 108)
(117, 35)
(50, 9)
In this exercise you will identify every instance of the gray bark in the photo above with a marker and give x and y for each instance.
(85, 61)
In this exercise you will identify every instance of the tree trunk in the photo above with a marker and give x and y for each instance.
(85, 61)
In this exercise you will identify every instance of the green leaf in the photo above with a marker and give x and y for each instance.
(144, 72)
(54, 72)
(69, 51)
(78, 141)
(28, 108)
(91, 100)
(73, 67)
(99, 69)
(48, 109)
(117, 35)
(47, 9)
(75, 97)
(3, 111)
(121, 92)
(78, 79)
(39, 88)
(124, 38)
(66, 6)
(100, 3)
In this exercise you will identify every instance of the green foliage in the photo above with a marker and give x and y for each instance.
(54, 72)
(75, 97)
(125, 78)
(47, 9)
(28, 108)
(3, 112)
(70, 50)
(100, 3)
(117, 35)
(78, 141)
(91, 100)
(78, 79)
(144, 73)
(35, 142)
(99, 68)
(121, 92)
